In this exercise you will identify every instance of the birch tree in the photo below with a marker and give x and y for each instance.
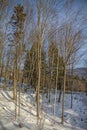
(45, 11)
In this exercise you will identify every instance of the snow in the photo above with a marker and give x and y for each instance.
(74, 119)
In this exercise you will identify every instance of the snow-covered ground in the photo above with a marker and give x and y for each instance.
(74, 119)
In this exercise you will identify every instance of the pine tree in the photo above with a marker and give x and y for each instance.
(31, 66)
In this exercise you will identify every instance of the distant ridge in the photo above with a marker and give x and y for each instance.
(81, 72)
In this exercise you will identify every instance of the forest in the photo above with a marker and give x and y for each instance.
(41, 44)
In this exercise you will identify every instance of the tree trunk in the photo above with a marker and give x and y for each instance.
(64, 87)
(19, 94)
(56, 85)
(60, 94)
(14, 87)
(15, 93)
(72, 89)
(39, 79)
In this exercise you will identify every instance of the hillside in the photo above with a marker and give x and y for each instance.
(74, 119)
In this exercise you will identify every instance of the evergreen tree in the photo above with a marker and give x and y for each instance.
(31, 66)
(53, 54)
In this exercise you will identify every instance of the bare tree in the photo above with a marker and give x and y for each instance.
(45, 11)
(72, 43)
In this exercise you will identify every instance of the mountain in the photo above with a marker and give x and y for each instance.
(81, 72)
